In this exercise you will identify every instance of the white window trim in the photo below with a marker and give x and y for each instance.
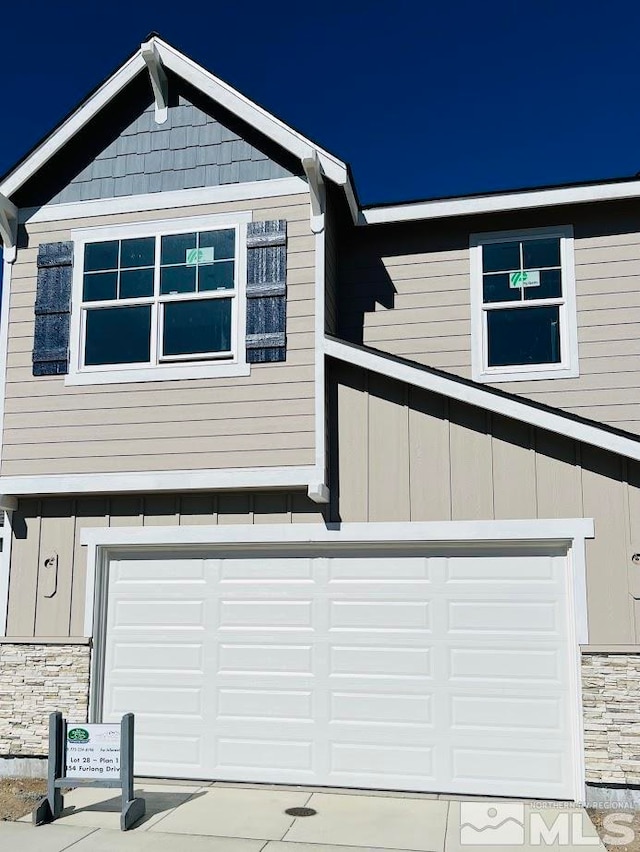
(569, 366)
(166, 370)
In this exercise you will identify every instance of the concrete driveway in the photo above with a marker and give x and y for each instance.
(244, 818)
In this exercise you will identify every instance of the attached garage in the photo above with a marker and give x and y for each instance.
(408, 667)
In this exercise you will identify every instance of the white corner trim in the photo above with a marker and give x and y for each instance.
(559, 423)
(8, 228)
(101, 540)
(569, 365)
(4, 341)
(158, 80)
(158, 481)
(443, 208)
(251, 191)
(6, 536)
(320, 399)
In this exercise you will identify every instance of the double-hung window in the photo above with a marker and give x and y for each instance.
(164, 300)
(523, 305)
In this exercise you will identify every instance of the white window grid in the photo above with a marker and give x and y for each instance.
(159, 366)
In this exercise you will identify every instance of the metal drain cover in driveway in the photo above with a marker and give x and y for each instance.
(301, 812)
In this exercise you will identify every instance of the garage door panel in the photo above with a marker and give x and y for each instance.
(266, 571)
(156, 658)
(290, 704)
(183, 751)
(149, 614)
(527, 715)
(265, 615)
(493, 663)
(265, 658)
(517, 571)
(514, 617)
(379, 616)
(410, 672)
(377, 569)
(159, 572)
(357, 762)
(267, 754)
(367, 660)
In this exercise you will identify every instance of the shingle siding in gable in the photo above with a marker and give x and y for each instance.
(190, 150)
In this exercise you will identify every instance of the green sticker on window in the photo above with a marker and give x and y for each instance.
(199, 255)
(524, 279)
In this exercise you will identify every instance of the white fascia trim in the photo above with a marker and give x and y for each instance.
(53, 143)
(485, 399)
(499, 203)
(248, 111)
(252, 191)
(410, 532)
(158, 481)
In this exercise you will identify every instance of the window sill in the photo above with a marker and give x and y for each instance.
(544, 373)
(164, 373)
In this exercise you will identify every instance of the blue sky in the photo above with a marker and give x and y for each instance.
(424, 99)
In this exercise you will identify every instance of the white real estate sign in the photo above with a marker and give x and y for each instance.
(93, 751)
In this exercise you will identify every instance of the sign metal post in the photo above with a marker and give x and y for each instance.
(77, 760)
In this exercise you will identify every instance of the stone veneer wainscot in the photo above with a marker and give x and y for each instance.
(34, 681)
(611, 701)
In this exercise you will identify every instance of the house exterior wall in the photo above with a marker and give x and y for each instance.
(50, 605)
(405, 289)
(261, 420)
(403, 454)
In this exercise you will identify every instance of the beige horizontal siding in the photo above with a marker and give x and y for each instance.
(409, 455)
(187, 460)
(406, 291)
(171, 425)
(54, 525)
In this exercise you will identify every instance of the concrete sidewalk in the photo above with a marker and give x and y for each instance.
(241, 818)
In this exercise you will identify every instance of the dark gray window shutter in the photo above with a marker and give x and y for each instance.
(53, 310)
(266, 291)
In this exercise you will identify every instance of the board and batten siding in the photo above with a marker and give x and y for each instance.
(405, 289)
(264, 419)
(404, 454)
(50, 604)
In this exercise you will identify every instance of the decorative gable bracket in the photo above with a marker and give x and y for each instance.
(8, 228)
(313, 170)
(158, 77)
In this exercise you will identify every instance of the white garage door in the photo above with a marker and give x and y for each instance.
(441, 673)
